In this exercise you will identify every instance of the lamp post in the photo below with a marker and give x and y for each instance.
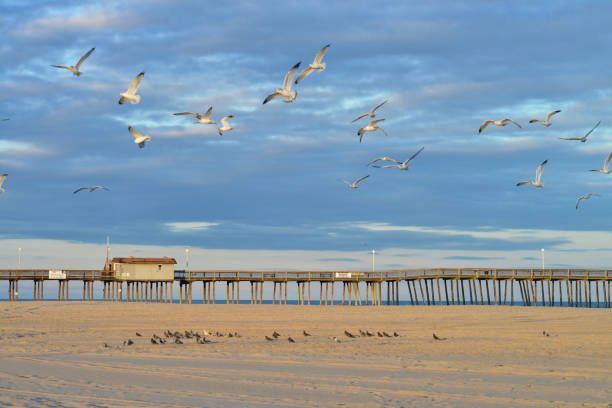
(19, 258)
(187, 259)
(542, 251)
(373, 252)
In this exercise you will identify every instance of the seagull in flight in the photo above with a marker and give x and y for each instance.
(226, 125)
(285, 91)
(583, 138)
(201, 118)
(384, 158)
(316, 65)
(2, 177)
(547, 121)
(139, 139)
(356, 182)
(92, 188)
(402, 165)
(130, 94)
(75, 68)
(606, 166)
(536, 183)
(502, 122)
(370, 113)
(584, 197)
(371, 127)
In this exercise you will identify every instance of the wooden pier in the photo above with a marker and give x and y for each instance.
(441, 286)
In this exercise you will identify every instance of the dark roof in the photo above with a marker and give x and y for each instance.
(132, 260)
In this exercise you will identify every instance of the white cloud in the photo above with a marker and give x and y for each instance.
(190, 226)
(80, 20)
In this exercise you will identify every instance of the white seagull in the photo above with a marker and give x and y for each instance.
(139, 139)
(316, 65)
(536, 183)
(370, 113)
(371, 127)
(402, 165)
(356, 182)
(92, 188)
(584, 197)
(285, 91)
(502, 122)
(583, 138)
(547, 121)
(606, 166)
(201, 118)
(226, 125)
(130, 94)
(2, 177)
(384, 158)
(75, 68)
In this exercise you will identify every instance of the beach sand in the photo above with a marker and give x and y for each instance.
(52, 354)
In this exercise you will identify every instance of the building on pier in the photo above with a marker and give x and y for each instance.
(142, 269)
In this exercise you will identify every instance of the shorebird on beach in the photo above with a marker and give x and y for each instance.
(2, 177)
(584, 197)
(402, 165)
(355, 184)
(285, 91)
(138, 334)
(349, 334)
(276, 335)
(337, 340)
(226, 127)
(153, 341)
(583, 139)
(371, 113)
(369, 333)
(75, 68)
(502, 122)
(438, 338)
(316, 65)
(269, 338)
(370, 127)
(536, 183)
(130, 94)
(305, 333)
(92, 188)
(395, 334)
(547, 121)
(139, 139)
(201, 118)
(605, 169)
(290, 340)
(129, 342)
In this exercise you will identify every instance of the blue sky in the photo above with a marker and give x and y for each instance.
(269, 193)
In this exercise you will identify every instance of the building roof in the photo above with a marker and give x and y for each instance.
(132, 260)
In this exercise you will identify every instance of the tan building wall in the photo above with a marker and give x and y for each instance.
(143, 272)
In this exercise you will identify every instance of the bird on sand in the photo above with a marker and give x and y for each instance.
(269, 338)
(337, 340)
(138, 334)
(371, 113)
(379, 334)
(395, 334)
(502, 122)
(139, 139)
(153, 341)
(178, 341)
(369, 333)
(226, 127)
(316, 65)
(402, 165)
(129, 342)
(75, 68)
(349, 334)
(290, 340)
(201, 118)
(362, 333)
(285, 91)
(305, 333)
(386, 334)
(371, 127)
(536, 183)
(584, 197)
(547, 121)
(92, 188)
(583, 139)
(605, 169)
(355, 184)
(438, 338)
(276, 335)
(130, 94)
(2, 177)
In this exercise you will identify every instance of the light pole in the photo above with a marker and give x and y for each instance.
(542, 251)
(19, 258)
(373, 252)
(186, 259)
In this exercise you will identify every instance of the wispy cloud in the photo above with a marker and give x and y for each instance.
(190, 226)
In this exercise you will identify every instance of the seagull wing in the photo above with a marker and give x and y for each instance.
(361, 179)
(550, 114)
(378, 106)
(62, 66)
(570, 138)
(359, 117)
(607, 162)
(79, 189)
(383, 159)
(584, 197)
(592, 129)
(271, 96)
(511, 121)
(304, 74)
(134, 132)
(208, 112)
(414, 155)
(484, 125)
(383, 130)
(185, 113)
(83, 58)
(2, 177)
(539, 171)
(226, 119)
(93, 188)
(135, 83)
(320, 54)
(375, 122)
(289, 76)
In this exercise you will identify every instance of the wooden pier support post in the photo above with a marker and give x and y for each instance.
(462, 292)
(421, 288)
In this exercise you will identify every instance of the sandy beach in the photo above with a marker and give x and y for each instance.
(53, 354)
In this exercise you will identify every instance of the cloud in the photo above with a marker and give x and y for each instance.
(337, 260)
(81, 20)
(190, 226)
(473, 258)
